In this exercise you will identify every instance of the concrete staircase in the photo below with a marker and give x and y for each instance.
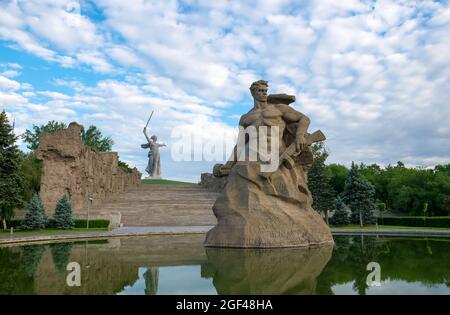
(160, 205)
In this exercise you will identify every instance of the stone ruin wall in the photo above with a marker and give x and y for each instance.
(81, 171)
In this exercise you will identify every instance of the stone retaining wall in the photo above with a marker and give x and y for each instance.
(78, 170)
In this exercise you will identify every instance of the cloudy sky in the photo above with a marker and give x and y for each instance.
(374, 76)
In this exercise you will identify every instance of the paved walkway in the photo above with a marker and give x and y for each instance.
(118, 232)
(169, 230)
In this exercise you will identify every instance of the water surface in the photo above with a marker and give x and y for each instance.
(181, 265)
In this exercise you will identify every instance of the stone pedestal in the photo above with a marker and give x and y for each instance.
(254, 212)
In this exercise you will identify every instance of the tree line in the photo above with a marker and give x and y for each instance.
(364, 188)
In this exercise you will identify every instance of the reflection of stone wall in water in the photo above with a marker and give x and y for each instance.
(81, 171)
(266, 271)
(101, 272)
(109, 267)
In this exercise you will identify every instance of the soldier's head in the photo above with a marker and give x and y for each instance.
(154, 138)
(259, 90)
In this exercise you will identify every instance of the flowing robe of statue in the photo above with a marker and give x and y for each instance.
(154, 164)
(154, 161)
(260, 211)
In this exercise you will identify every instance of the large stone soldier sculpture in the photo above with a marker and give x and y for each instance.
(270, 209)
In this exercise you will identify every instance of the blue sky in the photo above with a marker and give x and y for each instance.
(374, 76)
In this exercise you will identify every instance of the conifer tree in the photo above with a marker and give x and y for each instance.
(359, 195)
(63, 214)
(340, 216)
(35, 218)
(10, 180)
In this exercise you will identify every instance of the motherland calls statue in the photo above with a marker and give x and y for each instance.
(264, 209)
(154, 162)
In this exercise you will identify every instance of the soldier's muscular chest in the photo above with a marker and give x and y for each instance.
(266, 116)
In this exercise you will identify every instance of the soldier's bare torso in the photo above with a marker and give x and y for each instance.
(268, 116)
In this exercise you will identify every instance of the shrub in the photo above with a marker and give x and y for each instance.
(93, 224)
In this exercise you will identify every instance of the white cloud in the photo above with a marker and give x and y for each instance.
(8, 84)
(373, 75)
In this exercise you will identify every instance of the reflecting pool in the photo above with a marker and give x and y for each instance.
(181, 265)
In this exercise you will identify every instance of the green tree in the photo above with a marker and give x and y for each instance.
(63, 214)
(319, 182)
(93, 137)
(31, 137)
(359, 196)
(35, 217)
(30, 172)
(340, 216)
(11, 185)
(337, 173)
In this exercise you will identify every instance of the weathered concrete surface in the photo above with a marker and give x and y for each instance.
(78, 170)
(160, 205)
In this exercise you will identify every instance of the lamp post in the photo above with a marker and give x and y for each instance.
(87, 219)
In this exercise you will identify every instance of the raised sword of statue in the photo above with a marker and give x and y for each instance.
(146, 125)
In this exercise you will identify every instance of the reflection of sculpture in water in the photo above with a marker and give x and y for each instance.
(151, 277)
(266, 271)
(260, 209)
(154, 163)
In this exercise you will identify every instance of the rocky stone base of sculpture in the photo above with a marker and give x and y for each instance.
(212, 183)
(253, 212)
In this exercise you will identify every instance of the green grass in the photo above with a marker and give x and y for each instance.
(165, 182)
(50, 232)
(384, 227)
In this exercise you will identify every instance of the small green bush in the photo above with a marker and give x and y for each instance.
(416, 221)
(93, 224)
